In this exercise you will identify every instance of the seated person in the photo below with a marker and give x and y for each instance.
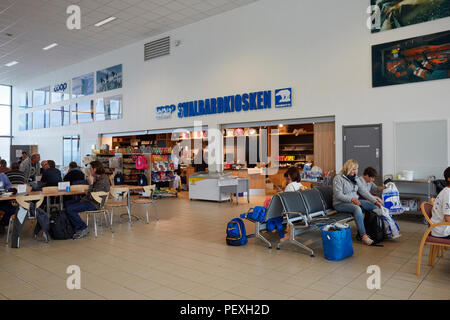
(3, 166)
(367, 186)
(441, 210)
(5, 206)
(292, 177)
(98, 181)
(74, 174)
(345, 197)
(51, 176)
(16, 176)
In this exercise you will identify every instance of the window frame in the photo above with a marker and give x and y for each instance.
(10, 116)
(71, 138)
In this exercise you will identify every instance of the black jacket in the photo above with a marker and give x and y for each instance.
(74, 175)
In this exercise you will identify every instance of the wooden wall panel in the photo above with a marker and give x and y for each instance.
(324, 146)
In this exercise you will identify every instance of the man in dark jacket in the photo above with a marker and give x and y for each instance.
(74, 173)
(98, 181)
(51, 176)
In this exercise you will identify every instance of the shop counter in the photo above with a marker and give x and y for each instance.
(207, 186)
(257, 182)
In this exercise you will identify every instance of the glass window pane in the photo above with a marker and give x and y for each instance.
(76, 149)
(5, 144)
(41, 119)
(25, 100)
(5, 121)
(5, 95)
(60, 116)
(67, 152)
(83, 112)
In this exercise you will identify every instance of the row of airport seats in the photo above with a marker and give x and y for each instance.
(304, 211)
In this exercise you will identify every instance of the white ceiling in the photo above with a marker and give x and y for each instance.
(35, 24)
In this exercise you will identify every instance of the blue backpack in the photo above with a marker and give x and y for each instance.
(256, 214)
(236, 235)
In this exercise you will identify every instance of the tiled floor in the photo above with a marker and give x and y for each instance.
(184, 256)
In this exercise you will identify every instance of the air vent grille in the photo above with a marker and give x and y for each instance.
(157, 48)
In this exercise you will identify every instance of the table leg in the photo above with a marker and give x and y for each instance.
(61, 203)
(48, 204)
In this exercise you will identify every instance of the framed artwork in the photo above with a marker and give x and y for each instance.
(25, 100)
(41, 119)
(109, 79)
(393, 14)
(41, 97)
(25, 121)
(417, 59)
(83, 85)
(60, 116)
(110, 108)
(83, 112)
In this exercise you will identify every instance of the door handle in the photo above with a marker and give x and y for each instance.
(377, 153)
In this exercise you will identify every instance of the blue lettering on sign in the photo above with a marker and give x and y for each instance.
(228, 104)
(283, 98)
(60, 87)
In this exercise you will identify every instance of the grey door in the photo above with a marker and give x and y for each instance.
(364, 144)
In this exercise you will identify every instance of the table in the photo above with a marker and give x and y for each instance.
(243, 185)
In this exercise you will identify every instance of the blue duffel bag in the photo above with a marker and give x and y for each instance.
(337, 242)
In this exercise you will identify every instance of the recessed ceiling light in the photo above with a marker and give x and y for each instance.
(50, 46)
(12, 63)
(107, 20)
(281, 125)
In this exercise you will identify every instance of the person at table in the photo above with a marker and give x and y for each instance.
(51, 176)
(16, 176)
(74, 174)
(5, 206)
(367, 186)
(44, 165)
(23, 157)
(31, 167)
(3, 166)
(346, 198)
(441, 210)
(98, 181)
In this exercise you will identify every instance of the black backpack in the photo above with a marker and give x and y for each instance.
(61, 227)
(374, 226)
(142, 180)
(119, 179)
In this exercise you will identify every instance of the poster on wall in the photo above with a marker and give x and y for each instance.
(60, 116)
(41, 97)
(83, 85)
(109, 79)
(393, 14)
(411, 60)
(109, 108)
(83, 112)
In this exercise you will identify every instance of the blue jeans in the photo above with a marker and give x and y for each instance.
(357, 212)
(73, 212)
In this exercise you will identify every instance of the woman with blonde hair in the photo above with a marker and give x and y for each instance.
(345, 197)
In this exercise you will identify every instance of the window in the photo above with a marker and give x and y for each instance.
(83, 112)
(5, 121)
(41, 119)
(109, 108)
(71, 150)
(60, 116)
(41, 97)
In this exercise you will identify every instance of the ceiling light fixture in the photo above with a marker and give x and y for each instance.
(12, 63)
(50, 46)
(107, 20)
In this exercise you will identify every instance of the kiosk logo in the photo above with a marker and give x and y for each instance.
(283, 98)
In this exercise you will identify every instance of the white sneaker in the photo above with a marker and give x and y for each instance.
(366, 240)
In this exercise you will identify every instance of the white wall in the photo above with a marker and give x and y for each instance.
(322, 49)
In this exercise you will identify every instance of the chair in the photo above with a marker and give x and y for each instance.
(49, 190)
(147, 201)
(120, 196)
(24, 202)
(437, 245)
(101, 198)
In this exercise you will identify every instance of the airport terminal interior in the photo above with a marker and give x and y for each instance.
(224, 150)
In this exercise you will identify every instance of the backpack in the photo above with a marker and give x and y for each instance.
(142, 180)
(119, 179)
(256, 214)
(141, 162)
(374, 226)
(61, 227)
(236, 235)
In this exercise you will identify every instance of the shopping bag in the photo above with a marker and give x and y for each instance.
(391, 229)
(391, 199)
(337, 242)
